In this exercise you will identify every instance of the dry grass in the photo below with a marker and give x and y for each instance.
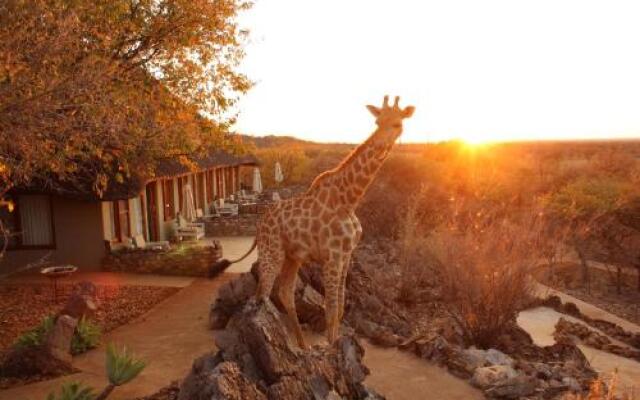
(602, 389)
(485, 262)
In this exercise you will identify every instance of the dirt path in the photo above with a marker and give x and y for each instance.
(587, 309)
(400, 375)
(540, 324)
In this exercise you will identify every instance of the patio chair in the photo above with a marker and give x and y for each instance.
(226, 209)
(140, 243)
(186, 229)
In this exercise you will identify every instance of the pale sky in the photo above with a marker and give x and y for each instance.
(474, 69)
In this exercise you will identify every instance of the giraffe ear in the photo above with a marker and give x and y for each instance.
(374, 110)
(407, 112)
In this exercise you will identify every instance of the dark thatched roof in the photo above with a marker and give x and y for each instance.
(134, 184)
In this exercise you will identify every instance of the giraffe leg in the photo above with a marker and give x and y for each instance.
(286, 292)
(343, 286)
(271, 260)
(331, 295)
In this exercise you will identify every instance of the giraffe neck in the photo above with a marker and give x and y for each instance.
(356, 173)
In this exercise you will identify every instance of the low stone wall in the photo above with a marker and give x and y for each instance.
(239, 225)
(182, 259)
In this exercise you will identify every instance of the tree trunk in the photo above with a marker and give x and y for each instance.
(618, 279)
(586, 281)
(638, 269)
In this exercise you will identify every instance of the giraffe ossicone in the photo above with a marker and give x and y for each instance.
(320, 224)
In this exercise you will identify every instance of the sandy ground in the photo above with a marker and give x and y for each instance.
(400, 375)
(540, 324)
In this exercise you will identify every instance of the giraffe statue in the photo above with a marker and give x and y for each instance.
(320, 225)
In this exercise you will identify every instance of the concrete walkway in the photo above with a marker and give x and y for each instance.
(169, 338)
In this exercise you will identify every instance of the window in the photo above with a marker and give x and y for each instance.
(31, 222)
(167, 199)
(121, 219)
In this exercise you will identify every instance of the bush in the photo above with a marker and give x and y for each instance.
(485, 266)
(36, 336)
(73, 391)
(86, 337)
(416, 262)
(121, 367)
(601, 390)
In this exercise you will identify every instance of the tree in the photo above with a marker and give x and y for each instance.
(587, 208)
(93, 90)
(293, 162)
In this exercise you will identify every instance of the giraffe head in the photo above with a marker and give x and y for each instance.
(389, 118)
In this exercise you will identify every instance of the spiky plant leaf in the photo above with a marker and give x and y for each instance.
(122, 367)
(73, 391)
(86, 336)
(35, 336)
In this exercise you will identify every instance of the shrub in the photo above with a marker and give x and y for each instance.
(73, 391)
(601, 390)
(121, 368)
(485, 264)
(35, 337)
(86, 336)
(416, 263)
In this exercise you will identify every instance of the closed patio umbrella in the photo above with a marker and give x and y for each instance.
(278, 173)
(188, 206)
(257, 180)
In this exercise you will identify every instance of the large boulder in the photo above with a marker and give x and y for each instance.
(485, 377)
(257, 360)
(230, 299)
(58, 340)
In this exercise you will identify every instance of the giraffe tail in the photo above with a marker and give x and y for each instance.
(220, 266)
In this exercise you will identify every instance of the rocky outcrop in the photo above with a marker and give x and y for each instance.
(515, 368)
(257, 361)
(574, 332)
(630, 338)
(58, 340)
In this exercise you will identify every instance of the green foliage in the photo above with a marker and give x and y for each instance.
(589, 197)
(293, 161)
(35, 337)
(73, 391)
(86, 336)
(121, 366)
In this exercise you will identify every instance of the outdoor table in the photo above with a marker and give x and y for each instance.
(55, 273)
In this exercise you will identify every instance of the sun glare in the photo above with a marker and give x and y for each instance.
(478, 140)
